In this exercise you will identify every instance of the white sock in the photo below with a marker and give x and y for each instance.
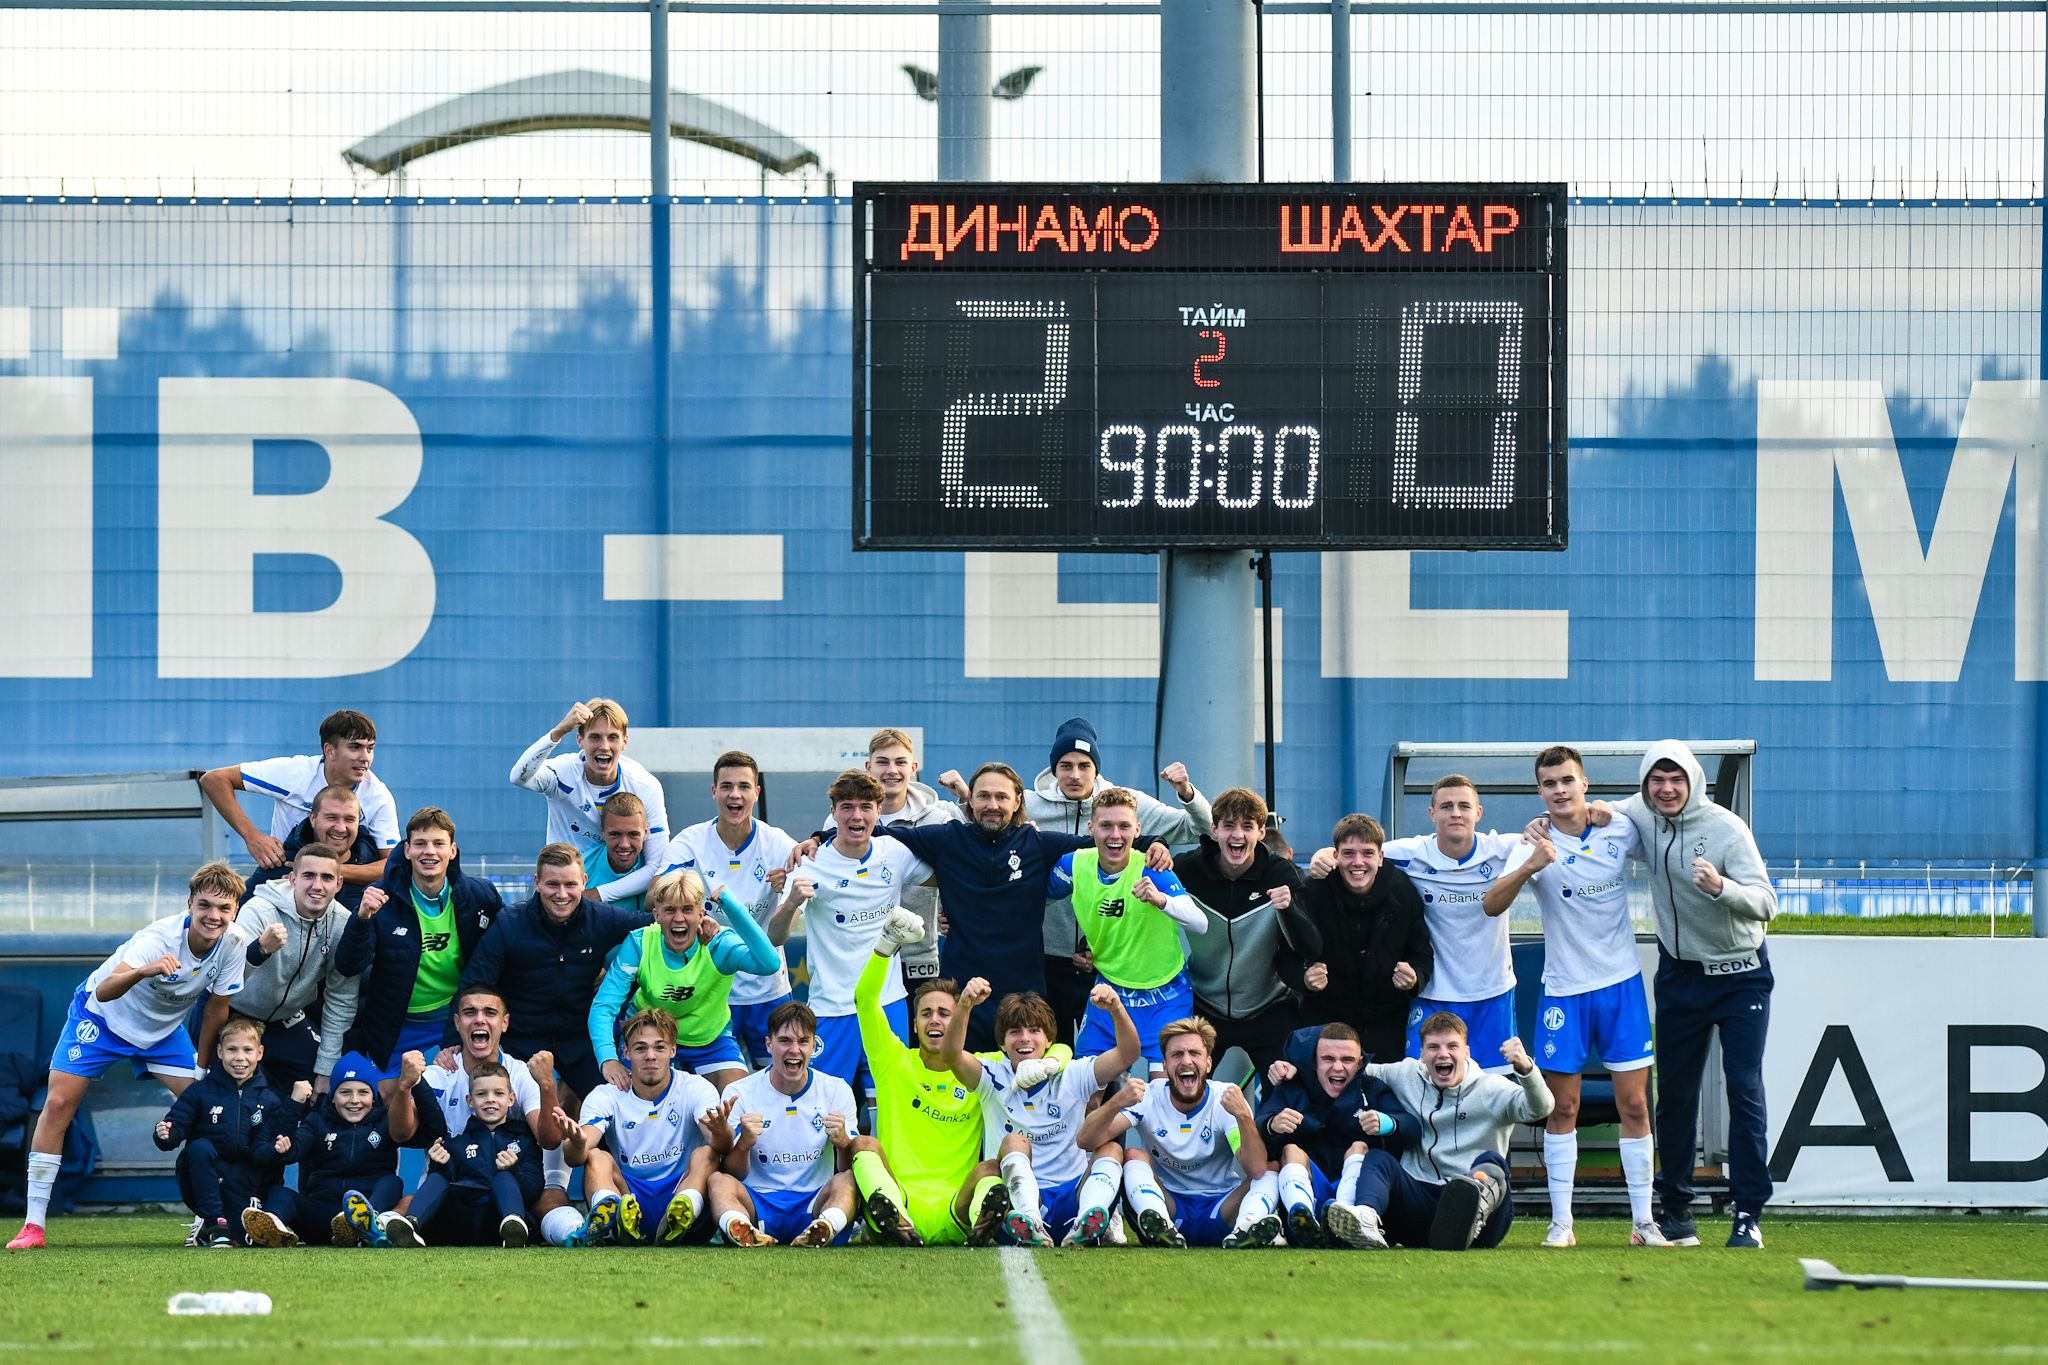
(696, 1203)
(1347, 1182)
(1636, 1159)
(42, 1178)
(1143, 1189)
(1099, 1189)
(557, 1224)
(1261, 1199)
(1560, 1168)
(1023, 1182)
(733, 1218)
(834, 1218)
(1295, 1190)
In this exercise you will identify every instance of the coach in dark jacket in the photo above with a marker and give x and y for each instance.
(1376, 954)
(388, 944)
(546, 957)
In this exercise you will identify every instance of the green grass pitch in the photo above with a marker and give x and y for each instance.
(99, 1293)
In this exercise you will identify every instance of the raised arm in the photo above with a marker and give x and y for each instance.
(1164, 891)
(965, 1066)
(1246, 1140)
(528, 771)
(1523, 865)
(1112, 1118)
(745, 948)
(1129, 1046)
(783, 921)
(620, 971)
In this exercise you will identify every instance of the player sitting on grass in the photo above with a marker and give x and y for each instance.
(930, 1124)
(479, 1181)
(132, 1008)
(682, 964)
(342, 1147)
(233, 1130)
(1032, 1106)
(1196, 1172)
(1450, 1190)
(651, 1145)
(1320, 1114)
(1136, 921)
(789, 1175)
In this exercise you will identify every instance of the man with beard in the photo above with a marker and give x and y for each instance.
(336, 821)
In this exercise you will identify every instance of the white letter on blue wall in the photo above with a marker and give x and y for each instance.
(212, 524)
(45, 527)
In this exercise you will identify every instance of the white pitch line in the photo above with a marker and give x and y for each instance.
(1042, 1336)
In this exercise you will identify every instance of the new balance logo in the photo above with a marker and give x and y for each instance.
(676, 995)
(434, 943)
(1112, 909)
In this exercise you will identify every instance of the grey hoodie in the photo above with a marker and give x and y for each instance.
(1046, 806)
(921, 806)
(299, 976)
(1465, 1121)
(1722, 932)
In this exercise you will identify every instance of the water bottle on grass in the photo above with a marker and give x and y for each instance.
(228, 1303)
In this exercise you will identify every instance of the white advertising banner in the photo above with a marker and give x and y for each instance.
(1909, 1072)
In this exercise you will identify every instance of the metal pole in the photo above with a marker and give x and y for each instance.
(401, 285)
(2040, 454)
(966, 98)
(1208, 122)
(1340, 89)
(660, 209)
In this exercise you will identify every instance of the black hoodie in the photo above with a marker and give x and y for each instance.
(1362, 938)
(1253, 955)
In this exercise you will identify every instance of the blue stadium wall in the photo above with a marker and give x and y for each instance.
(162, 613)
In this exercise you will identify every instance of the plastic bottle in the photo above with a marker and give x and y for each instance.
(231, 1303)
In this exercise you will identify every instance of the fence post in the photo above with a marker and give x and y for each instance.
(660, 208)
(1340, 89)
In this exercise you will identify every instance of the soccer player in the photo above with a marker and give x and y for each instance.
(342, 1147)
(1473, 975)
(1593, 1001)
(789, 1175)
(1375, 949)
(292, 984)
(1195, 1173)
(481, 1022)
(621, 846)
(231, 1133)
(1713, 900)
(652, 1145)
(892, 761)
(336, 821)
(992, 877)
(1135, 920)
(545, 957)
(738, 855)
(930, 1125)
(1061, 799)
(348, 741)
(414, 946)
(1449, 1191)
(132, 1009)
(682, 963)
(1032, 1105)
(579, 785)
(1321, 1112)
(490, 1168)
(845, 890)
(1247, 969)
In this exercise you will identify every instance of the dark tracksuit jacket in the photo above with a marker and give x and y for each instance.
(1329, 1123)
(993, 888)
(476, 1192)
(364, 850)
(388, 945)
(336, 1156)
(548, 974)
(228, 1136)
(1362, 938)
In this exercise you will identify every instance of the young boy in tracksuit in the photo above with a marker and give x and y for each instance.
(233, 1130)
(480, 1181)
(1320, 1112)
(348, 1166)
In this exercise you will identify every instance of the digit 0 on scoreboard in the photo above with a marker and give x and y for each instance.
(1093, 367)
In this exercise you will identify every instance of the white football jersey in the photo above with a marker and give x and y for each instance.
(1191, 1153)
(576, 808)
(155, 1007)
(792, 1152)
(1048, 1116)
(292, 783)
(1588, 939)
(1472, 958)
(744, 872)
(844, 918)
(651, 1139)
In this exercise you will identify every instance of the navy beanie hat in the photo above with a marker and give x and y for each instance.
(354, 1067)
(1077, 736)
